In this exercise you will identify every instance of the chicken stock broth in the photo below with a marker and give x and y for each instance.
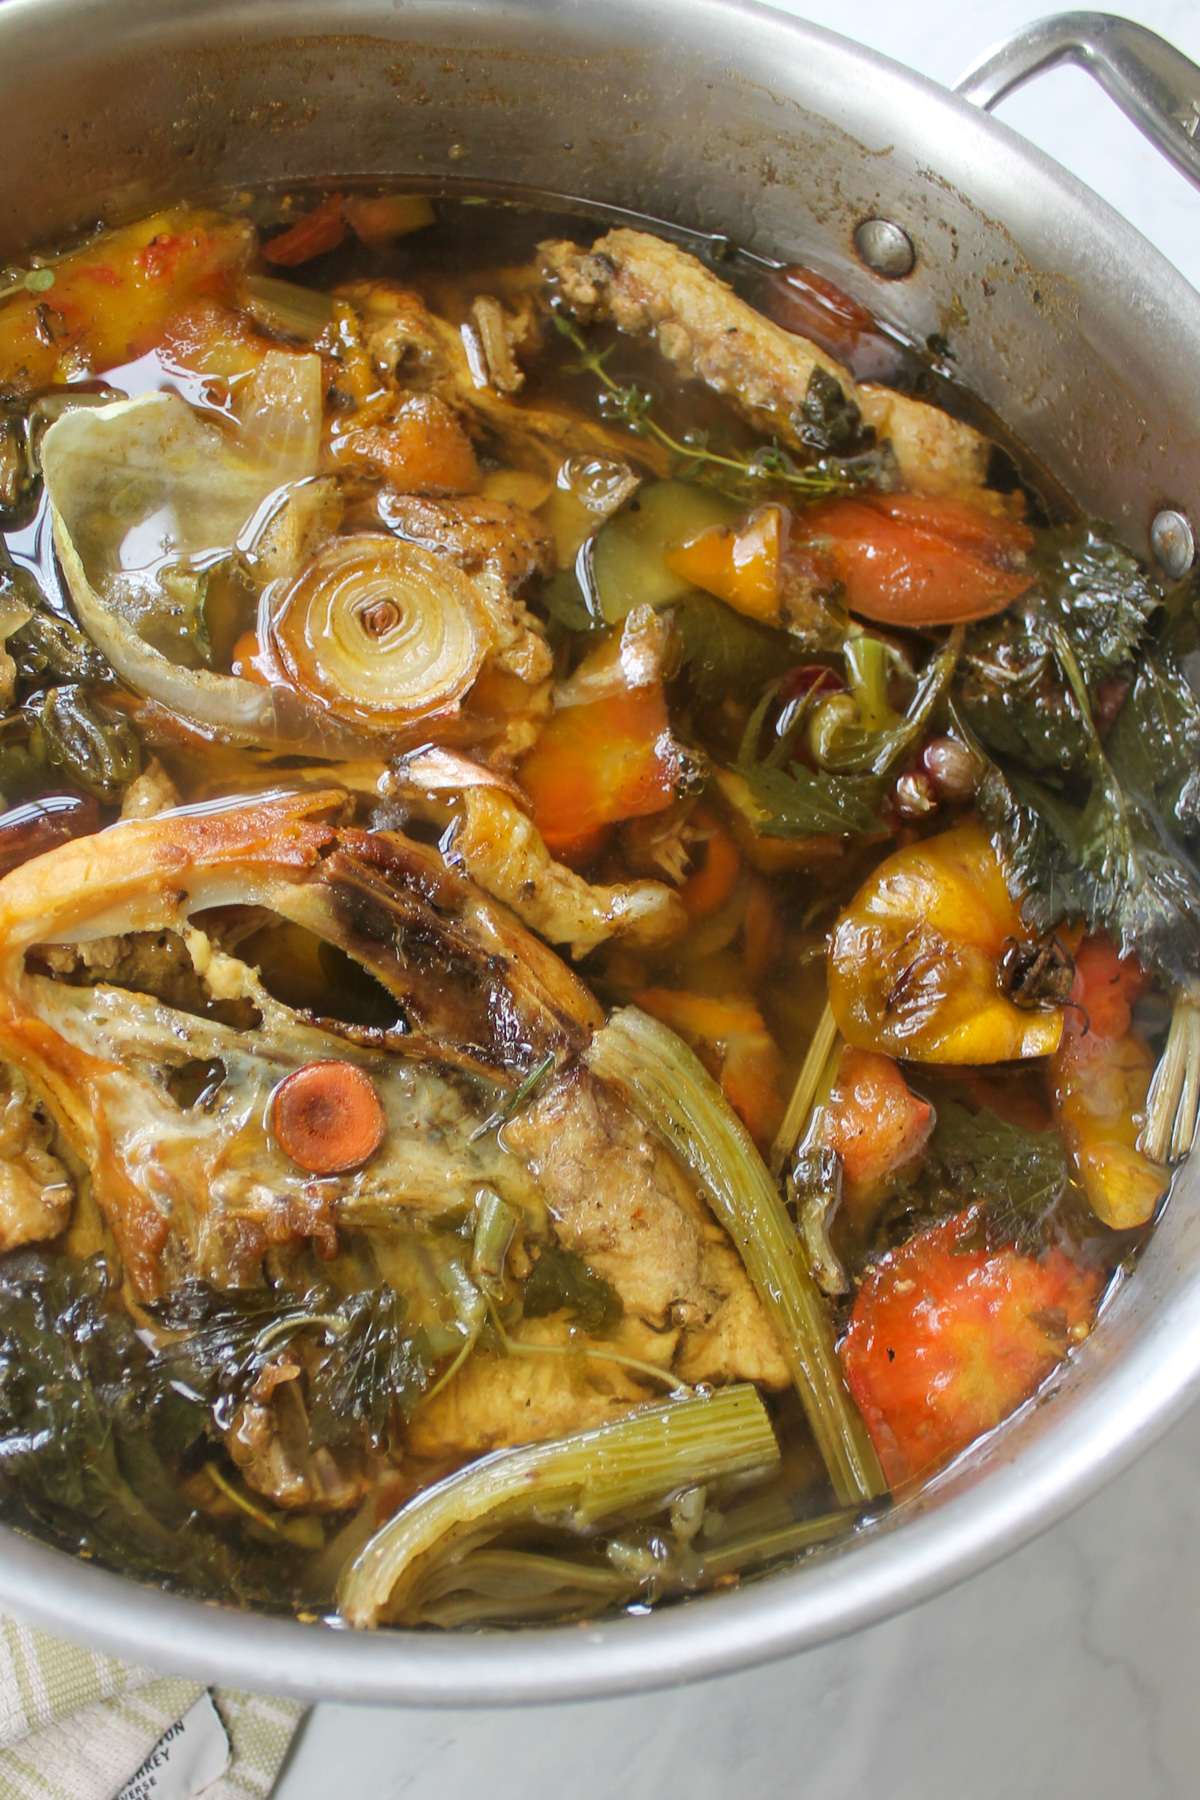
(598, 914)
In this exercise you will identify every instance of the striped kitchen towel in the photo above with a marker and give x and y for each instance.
(75, 1725)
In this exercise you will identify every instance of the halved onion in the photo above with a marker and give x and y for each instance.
(380, 632)
(147, 485)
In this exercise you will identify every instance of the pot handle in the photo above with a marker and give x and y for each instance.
(1154, 84)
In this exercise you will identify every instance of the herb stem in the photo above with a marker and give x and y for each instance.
(820, 1049)
(515, 1102)
(1173, 1103)
(514, 1347)
(821, 479)
(306, 1533)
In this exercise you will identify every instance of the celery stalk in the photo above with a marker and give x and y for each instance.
(672, 1091)
(286, 306)
(867, 661)
(639, 1461)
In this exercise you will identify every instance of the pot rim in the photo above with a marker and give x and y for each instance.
(1126, 1407)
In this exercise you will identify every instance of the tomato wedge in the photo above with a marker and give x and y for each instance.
(919, 560)
(947, 1338)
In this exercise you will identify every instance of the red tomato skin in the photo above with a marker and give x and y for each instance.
(907, 559)
(947, 1339)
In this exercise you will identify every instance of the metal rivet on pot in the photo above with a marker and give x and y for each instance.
(1173, 543)
(885, 247)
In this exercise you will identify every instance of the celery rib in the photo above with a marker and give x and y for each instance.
(616, 1469)
(676, 1096)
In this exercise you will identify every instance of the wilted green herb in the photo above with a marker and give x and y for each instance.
(827, 424)
(802, 803)
(514, 1101)
(844, 799)
(562, 1282)
(726, 654)
(82, 1416)
(96, 750)
(1018, 1174)
(1012, 692)
(50, 650)
(857, 750)
(367, 1377)
(225, 1348)
(1106, 856)
(373, 1375)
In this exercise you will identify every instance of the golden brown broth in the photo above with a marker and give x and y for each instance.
(467, 252)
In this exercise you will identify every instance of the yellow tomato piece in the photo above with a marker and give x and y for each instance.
(739, 565)
(108, 299)
(1099, 1087)
(913, 965)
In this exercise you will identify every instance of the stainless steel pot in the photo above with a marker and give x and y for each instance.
(730, 119)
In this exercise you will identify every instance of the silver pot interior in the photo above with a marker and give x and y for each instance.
(727, 119)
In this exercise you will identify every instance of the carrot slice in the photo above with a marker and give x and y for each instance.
(741, 565)
(328, 1117)
(916, 560)
(947, 1338)
(762, 931)
(379, 219)
(607, 752)
(247, 660)
(317, 232)
(713, 881)
(1098, 1083)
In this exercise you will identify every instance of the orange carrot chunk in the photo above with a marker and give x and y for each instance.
(713, 881)
(420, 448)
(607, 752)
(379, 219)
(947, 1338)
(1098, 1083)
(318, 231)
(916, 560)
(732, 1041)
(328, 1117)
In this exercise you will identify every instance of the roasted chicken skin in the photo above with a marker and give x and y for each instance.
(121, 974)
(649, 287)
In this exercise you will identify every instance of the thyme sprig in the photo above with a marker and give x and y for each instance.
(694, 457)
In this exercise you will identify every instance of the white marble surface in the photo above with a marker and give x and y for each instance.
(1070, 1670)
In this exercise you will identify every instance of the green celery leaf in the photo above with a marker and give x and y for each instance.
(800, 802)
(1110, 861)
(1018, 1174)
(220, 1357)
(374, 1374)
(727, 655)
(1155, 744)
(562, 1282)
(1011, 692)
(1098, 592)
